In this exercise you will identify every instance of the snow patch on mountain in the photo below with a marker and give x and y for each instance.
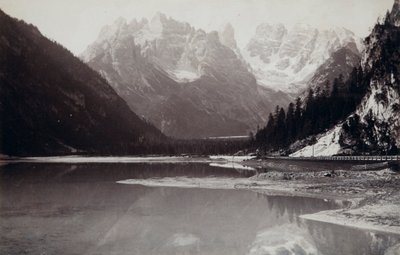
(326, 145)
(183, 75)
(183, 239)
(285, 60)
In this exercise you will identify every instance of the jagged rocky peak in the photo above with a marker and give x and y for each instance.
(227, 36)
(159, 17)
(158, 23)
(276, 31)
(166, 25)
(395, 13)
(144, 30)
(285, 59)
(301, 37)
(112, 30)
(267, 40)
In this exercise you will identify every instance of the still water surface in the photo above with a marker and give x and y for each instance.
(81, 209)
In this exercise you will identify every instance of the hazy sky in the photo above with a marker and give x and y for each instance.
(76, 23)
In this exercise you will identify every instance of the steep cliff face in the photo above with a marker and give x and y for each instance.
(52, 103)
(187, 82)
(286, 60)
(380, 109)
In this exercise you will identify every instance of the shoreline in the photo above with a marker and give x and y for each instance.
(335, 218)
(373, 192)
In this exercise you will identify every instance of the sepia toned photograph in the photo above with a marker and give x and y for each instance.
(212, 127)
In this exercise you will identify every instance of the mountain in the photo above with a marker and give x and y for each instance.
(340, 62)
(286, 59)
(53, 103)
(189, 83)
(374, 126)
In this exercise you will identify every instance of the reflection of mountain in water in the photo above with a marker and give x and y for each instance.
(291, 240)
(332, 239)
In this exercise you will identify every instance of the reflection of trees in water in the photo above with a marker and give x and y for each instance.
(292, 207)
(334, 239)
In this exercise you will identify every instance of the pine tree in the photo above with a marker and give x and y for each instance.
(280, 129)
(290, 124)
(298, 123)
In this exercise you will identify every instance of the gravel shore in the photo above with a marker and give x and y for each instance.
(371, 190)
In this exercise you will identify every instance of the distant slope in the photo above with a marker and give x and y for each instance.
(52, 103)
(341, 62)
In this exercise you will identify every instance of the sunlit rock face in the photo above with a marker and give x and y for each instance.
(188, 82)
(285, 59)
(381, 61)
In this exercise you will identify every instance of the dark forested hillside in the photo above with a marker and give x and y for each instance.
(52, 103)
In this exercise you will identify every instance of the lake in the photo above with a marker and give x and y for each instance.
(81, 209)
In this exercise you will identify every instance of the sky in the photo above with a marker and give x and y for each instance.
(77, 23)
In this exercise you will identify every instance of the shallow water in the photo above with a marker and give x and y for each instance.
(81, 209)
